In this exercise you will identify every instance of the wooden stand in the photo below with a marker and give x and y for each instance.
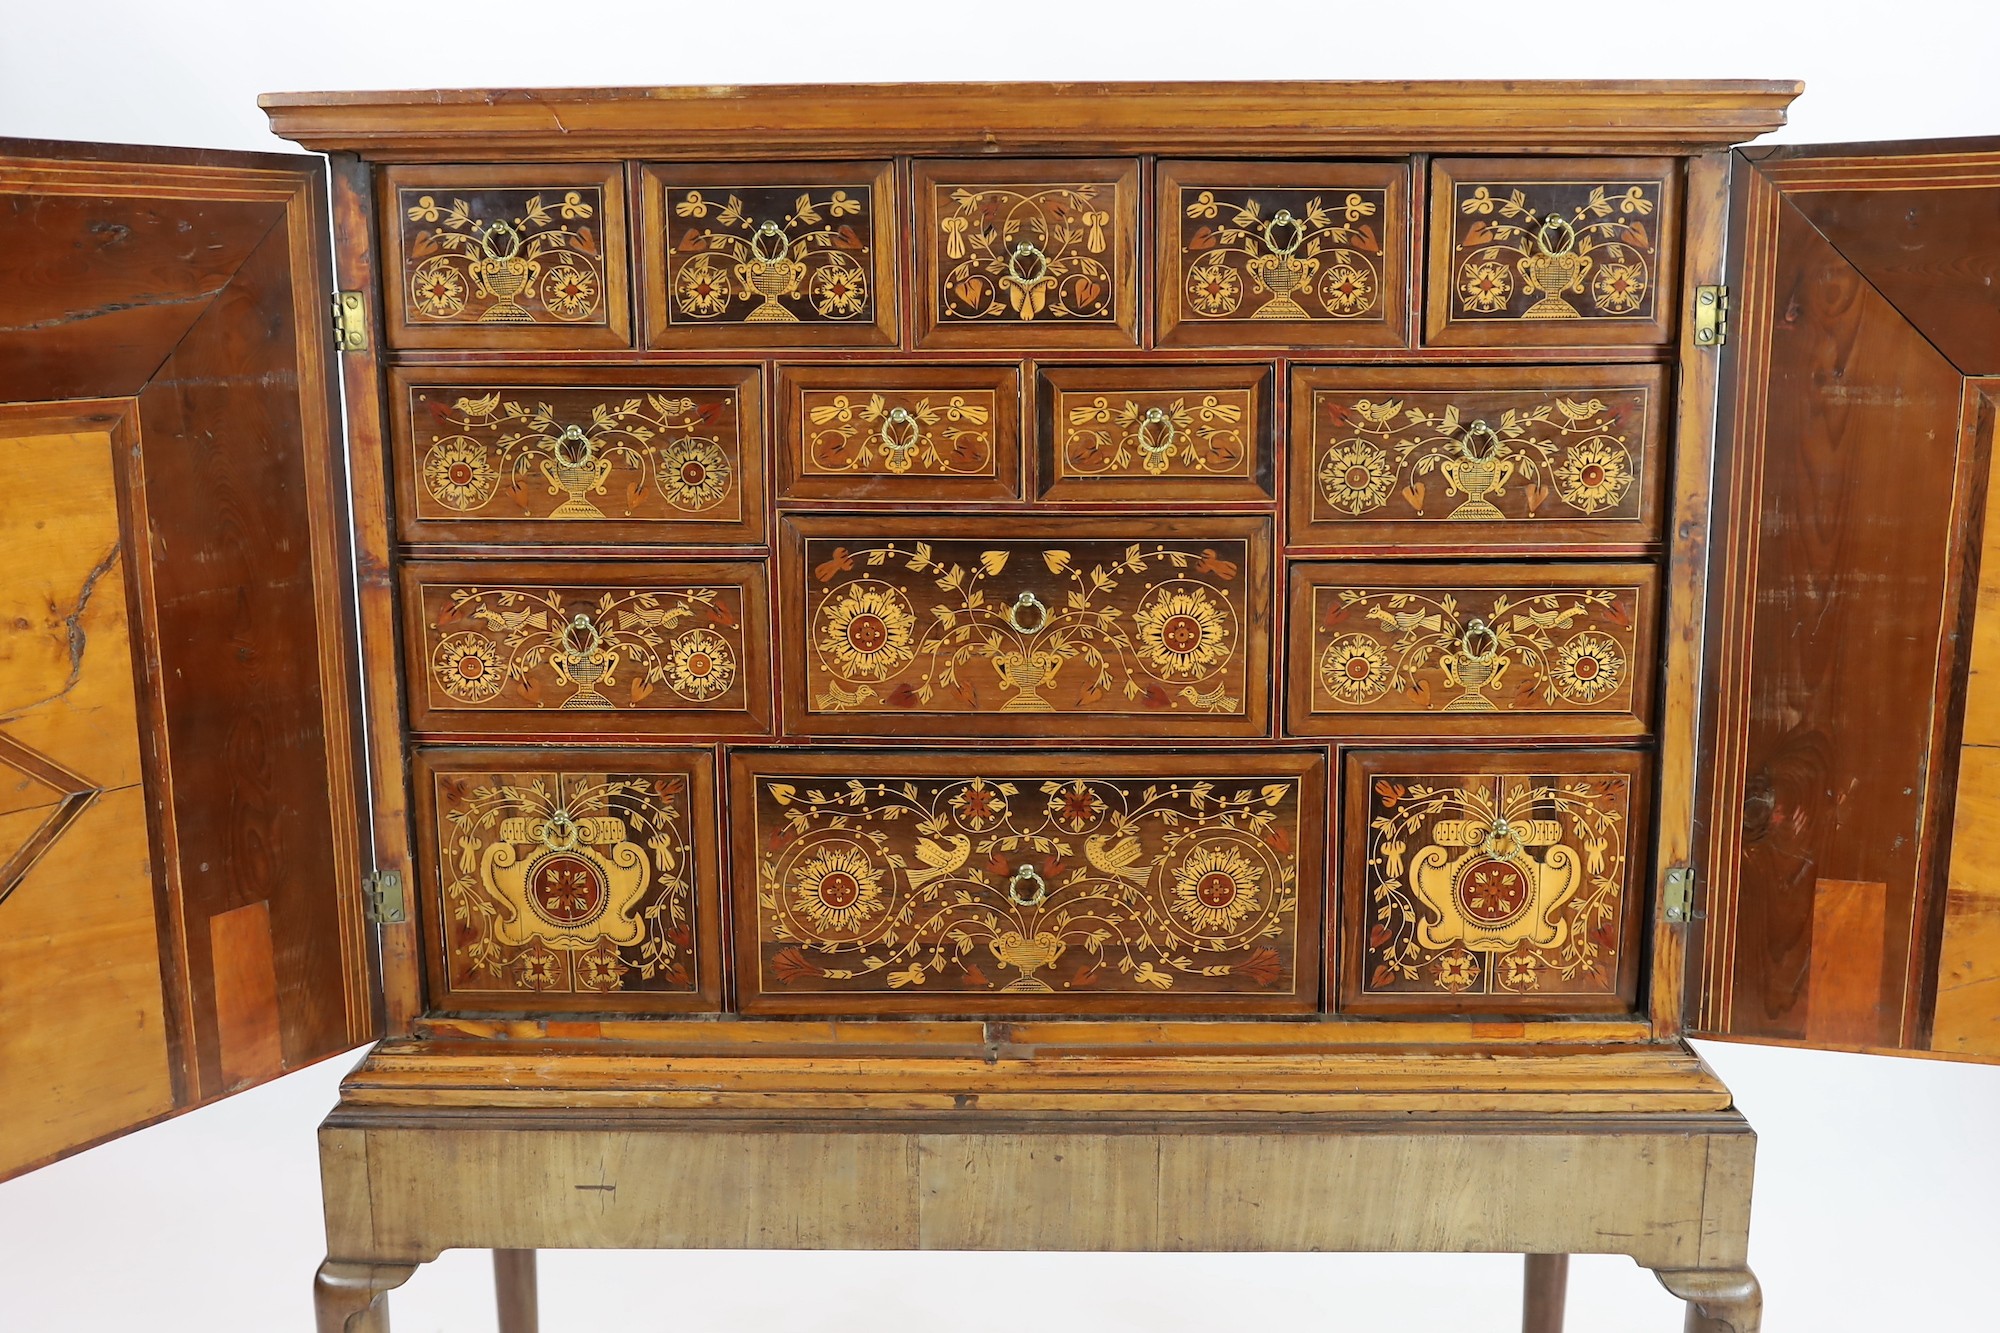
(401, 1186)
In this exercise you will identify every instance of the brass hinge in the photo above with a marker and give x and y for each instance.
(350, 322)
(383, 891)
(1680, 893)
(1711, 316)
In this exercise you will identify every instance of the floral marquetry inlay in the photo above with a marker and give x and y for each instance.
(1127, 433)
(900, 432)
(494, 641)
(1030, 885)
(508, 249)
(570, 454)
(1009, 631)
(1493, 884)
(579, 888)
(1490, 647)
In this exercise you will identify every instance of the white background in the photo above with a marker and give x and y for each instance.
(1877, 1178)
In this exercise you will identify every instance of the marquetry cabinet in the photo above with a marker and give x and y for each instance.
(943, 601)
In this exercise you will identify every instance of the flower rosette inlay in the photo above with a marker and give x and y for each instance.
(482, 260)
(771, 256)
(1028, 886)
(1463, 873)
(593, 461)
(571, 882)
(1025, 627)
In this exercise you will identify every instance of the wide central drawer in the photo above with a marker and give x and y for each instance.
(1009, 627)
(972, 882)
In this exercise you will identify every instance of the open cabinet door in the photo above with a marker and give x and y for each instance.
(180, 785)
(1851, 841)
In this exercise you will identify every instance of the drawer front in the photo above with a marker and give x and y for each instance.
(576, 457)
(1027, 253)
(945, 434)
(1472, 650)
(547, 648)
(1553, 252)
(781, 255)
(1176, 435)
(1025, 627)
(583, 880)
(1491, 882)
(974, 882)
(1486, 458)
(1300, 253)
(518, 256)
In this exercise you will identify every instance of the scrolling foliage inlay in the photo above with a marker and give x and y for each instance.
(545, 452)
(1026, 252)
(504, 256)
(567, 883)
(1491, 888)
(1555, 250)
(1091, 626)
(945, 433)
(1029, 885)
(1155, 434)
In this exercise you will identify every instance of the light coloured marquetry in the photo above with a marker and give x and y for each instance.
(83, 1052)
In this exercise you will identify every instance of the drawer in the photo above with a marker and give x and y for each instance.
(944, 434)
(660, 648)
(1483, 882)
(1027, 253)
(957, 882)
(1306, 254)
(1471, 650)
(506, 257)
(769, 254)
(1013, 627)
(1155, 435)
(1481, 458)
(576, 457)
(575, 881)
(1552, 252)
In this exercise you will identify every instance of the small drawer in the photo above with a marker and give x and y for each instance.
(506, 257)
(661, 648)
(576, 457)
(1074, 882)
(1155, 435)
(1027, 253)
(910, 434)
(562, 882)
(769, 255)
(1552, 252)
(1485, 457)
(1486, 882)
(1025, 627)
(1304, 254)
(1471, 650)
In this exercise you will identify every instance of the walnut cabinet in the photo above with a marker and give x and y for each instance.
(955, 601)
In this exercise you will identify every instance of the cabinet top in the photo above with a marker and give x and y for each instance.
(1239, 118)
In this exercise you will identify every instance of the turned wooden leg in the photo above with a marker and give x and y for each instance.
(514, 1291)
(1544, 1293)
(353, 1297)
(1720, 1300)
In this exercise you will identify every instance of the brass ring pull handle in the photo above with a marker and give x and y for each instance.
(899, 430)
(769, 242)
(1155, 433)
(1027, 265)
(1478, 440)
(1283, 221)
(1555, 236)
(508, 243)
(1027, 601)
(1478, 641)
(1027, 875)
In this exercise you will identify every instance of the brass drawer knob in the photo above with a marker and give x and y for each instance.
(1029, 604)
